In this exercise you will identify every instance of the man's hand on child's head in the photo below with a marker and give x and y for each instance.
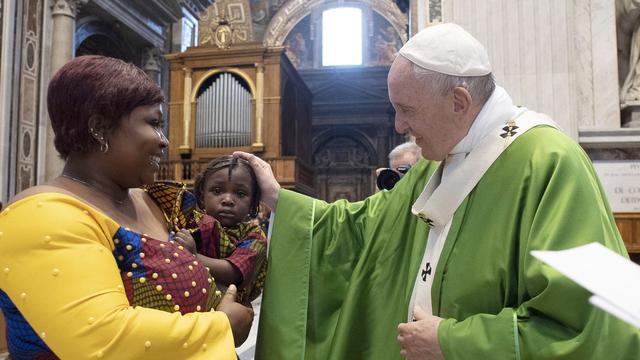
(184, 238)
(269, 186)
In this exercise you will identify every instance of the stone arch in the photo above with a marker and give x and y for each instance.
(344, 163)
(293, 11)
(325, 138)
(96, 37)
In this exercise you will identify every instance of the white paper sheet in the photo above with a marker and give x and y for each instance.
(613, 279)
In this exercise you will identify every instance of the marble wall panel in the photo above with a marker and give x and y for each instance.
(29, 94)
(552, 56)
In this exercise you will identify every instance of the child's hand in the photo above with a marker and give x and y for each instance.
(184, 238)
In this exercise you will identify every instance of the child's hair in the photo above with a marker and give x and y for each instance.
(227, 162)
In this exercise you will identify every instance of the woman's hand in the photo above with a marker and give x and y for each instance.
(268, 184)
(239, 315)
(184, 238)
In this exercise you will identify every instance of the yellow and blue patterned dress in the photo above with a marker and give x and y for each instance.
(74, 284)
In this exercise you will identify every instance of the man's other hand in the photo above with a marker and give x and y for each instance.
(419, 339)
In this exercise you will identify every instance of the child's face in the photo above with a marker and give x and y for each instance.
(228, 199)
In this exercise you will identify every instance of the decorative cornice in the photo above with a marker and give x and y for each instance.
(162, 11)
(131, 17)
(609, 138)
(196, 6)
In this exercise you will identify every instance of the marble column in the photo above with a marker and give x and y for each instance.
(63, 13)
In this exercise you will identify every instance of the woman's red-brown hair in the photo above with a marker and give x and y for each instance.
(95, 85)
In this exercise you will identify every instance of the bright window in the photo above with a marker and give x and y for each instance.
(342, 36)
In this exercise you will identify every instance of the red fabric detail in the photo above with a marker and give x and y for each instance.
(209, 236)
(244, 260)
(218, 243)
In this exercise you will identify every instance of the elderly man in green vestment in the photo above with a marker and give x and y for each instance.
(440, 266)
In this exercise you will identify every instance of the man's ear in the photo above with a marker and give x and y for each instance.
(461, 100)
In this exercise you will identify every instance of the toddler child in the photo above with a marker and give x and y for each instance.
(227, 242)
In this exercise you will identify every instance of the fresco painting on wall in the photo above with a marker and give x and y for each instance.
(230, 13)
(262, 12)
(259, 11)
(274, 6)
(386, 42)
(299, 46)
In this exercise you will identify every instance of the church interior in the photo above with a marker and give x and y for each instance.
(258, 76)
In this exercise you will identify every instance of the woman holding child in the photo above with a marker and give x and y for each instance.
(88, 268)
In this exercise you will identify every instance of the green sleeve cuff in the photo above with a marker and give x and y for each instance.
(481, 336)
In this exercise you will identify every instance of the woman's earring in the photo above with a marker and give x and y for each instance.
(104, 146)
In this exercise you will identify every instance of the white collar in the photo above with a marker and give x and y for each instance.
(498, 110)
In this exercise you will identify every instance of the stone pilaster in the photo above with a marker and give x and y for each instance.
(63, 13)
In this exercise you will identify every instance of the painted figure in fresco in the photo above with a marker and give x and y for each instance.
(296, 49)
(385, 51)
(259, 11)
(386, 46)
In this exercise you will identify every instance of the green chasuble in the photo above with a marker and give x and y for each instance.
(341, 275)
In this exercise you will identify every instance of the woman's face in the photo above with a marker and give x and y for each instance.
(136, 146)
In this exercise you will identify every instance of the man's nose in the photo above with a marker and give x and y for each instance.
(400, 125)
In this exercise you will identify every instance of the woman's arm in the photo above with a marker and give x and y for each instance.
(77, 302)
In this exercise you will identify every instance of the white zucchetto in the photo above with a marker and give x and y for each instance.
(447, 49)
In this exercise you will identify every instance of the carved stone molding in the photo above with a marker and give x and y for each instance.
(335, 149)
(295, 10)
(614, 154)
(343, 164)
(152, 59)
(196, 6)
(66, 7)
